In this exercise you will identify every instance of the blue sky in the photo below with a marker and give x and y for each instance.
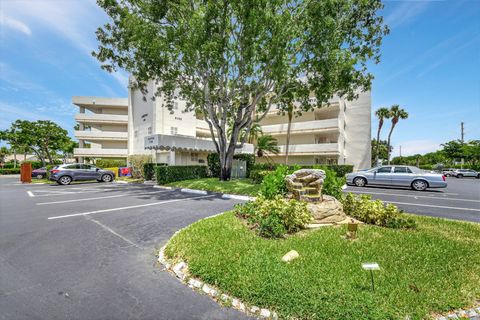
(430, 66)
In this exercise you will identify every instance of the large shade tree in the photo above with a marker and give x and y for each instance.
(232, 59)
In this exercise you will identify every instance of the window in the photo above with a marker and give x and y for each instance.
(384, 170)
(400, 170)
(194, 157)
(173, 130)
(149, 130)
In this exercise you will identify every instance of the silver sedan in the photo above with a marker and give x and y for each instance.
(397, 176)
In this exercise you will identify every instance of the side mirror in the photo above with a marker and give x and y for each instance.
(98, 169)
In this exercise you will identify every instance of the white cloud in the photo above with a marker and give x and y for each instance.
(76, 21)
(415, 147)
(15, 25)
(405, 12)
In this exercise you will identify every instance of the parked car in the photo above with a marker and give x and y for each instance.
(448, 172)
(460, 173)
(39, 173)
(66, 173)
(397, 176)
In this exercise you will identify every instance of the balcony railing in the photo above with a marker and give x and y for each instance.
(101, 135)
(302, 127)
(94, 152)
(308, 149)
(101, 118)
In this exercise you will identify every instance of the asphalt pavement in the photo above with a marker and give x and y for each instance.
(459, 201)
(87, 251)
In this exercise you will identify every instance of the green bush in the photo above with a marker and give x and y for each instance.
(167, 174)
(213, 163)
(149, 170)
(273, 218)
(48, 168)
(340, 169)
(376, 212)
(110, 163)
(10, 171)
(332, 184)
(257, 176)
(274, 183)
(137, 162)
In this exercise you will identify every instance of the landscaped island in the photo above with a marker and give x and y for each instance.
(434, 268)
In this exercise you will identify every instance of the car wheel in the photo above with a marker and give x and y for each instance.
(460, 176)
(360, 182)
(107, 178)
(419, 185)
(39, 176)
(478, 176)
(64, 180)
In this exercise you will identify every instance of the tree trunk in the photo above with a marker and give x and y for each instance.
(377, 147)
(388, 142)
(226, 161)
(290, 116)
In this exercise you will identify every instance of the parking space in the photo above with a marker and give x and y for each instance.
(88, 252)
(460, 200)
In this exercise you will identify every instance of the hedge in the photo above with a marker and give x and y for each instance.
(110, 163)
(167, 174)
(10, 171)
(149, 170)
(258, 175)
(213, 163)
(340, 169)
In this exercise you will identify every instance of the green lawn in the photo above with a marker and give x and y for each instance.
(434, 268)
(235, 186)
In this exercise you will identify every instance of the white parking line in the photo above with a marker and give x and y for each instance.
(113, 232)
(411, 195)
(125, 208)
(99, 198)
(30, 193)
(70, 193)
(433, 206)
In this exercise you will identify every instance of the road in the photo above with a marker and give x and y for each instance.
(459, 201)
(87, 251)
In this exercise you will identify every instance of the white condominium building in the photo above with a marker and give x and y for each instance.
(103, 127)
(339, 133)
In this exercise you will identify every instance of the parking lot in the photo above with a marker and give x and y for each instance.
(87, 251)
(460, 200)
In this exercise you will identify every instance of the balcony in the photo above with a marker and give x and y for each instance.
(101, 135)
(311, 149)
(101, 118)
(88, 152)
(328, 125)
(100, 102)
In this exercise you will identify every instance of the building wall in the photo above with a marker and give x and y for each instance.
(358, 132)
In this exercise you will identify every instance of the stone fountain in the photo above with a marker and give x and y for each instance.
(306, 185)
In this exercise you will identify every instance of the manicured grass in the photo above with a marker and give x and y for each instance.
(435, 268)
(234, 186)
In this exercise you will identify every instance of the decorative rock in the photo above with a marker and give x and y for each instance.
(461, 314)
(274, 316)
(254, 309)
(178, 270)
(328, 211)
(225, 297)
(452, 316)
(306, 182)
(195, 283)
(289, 256)
(265, 313)
(442, 318)
(472, 313)
(237, 304)
(210, 291)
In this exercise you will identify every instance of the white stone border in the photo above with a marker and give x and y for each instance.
(180, 270)
(462, 314)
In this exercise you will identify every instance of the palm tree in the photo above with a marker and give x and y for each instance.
(290, 117)
(265, 145)
(382, 113)
(396, 113)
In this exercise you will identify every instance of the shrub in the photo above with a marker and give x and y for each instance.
(137, 162)
(332, 184)
(274, 183)
(149, 170)
(48, 168)
(213, 163)
(257, 176)
(340, 169)
(273, 218)
(10, 171)
(110, 163)
(376, 212)
(167, 174)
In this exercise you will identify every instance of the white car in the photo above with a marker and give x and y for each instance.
(460, 173)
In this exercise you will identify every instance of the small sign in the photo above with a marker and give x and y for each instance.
(370, 266)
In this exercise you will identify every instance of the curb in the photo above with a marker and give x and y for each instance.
(180, 271)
